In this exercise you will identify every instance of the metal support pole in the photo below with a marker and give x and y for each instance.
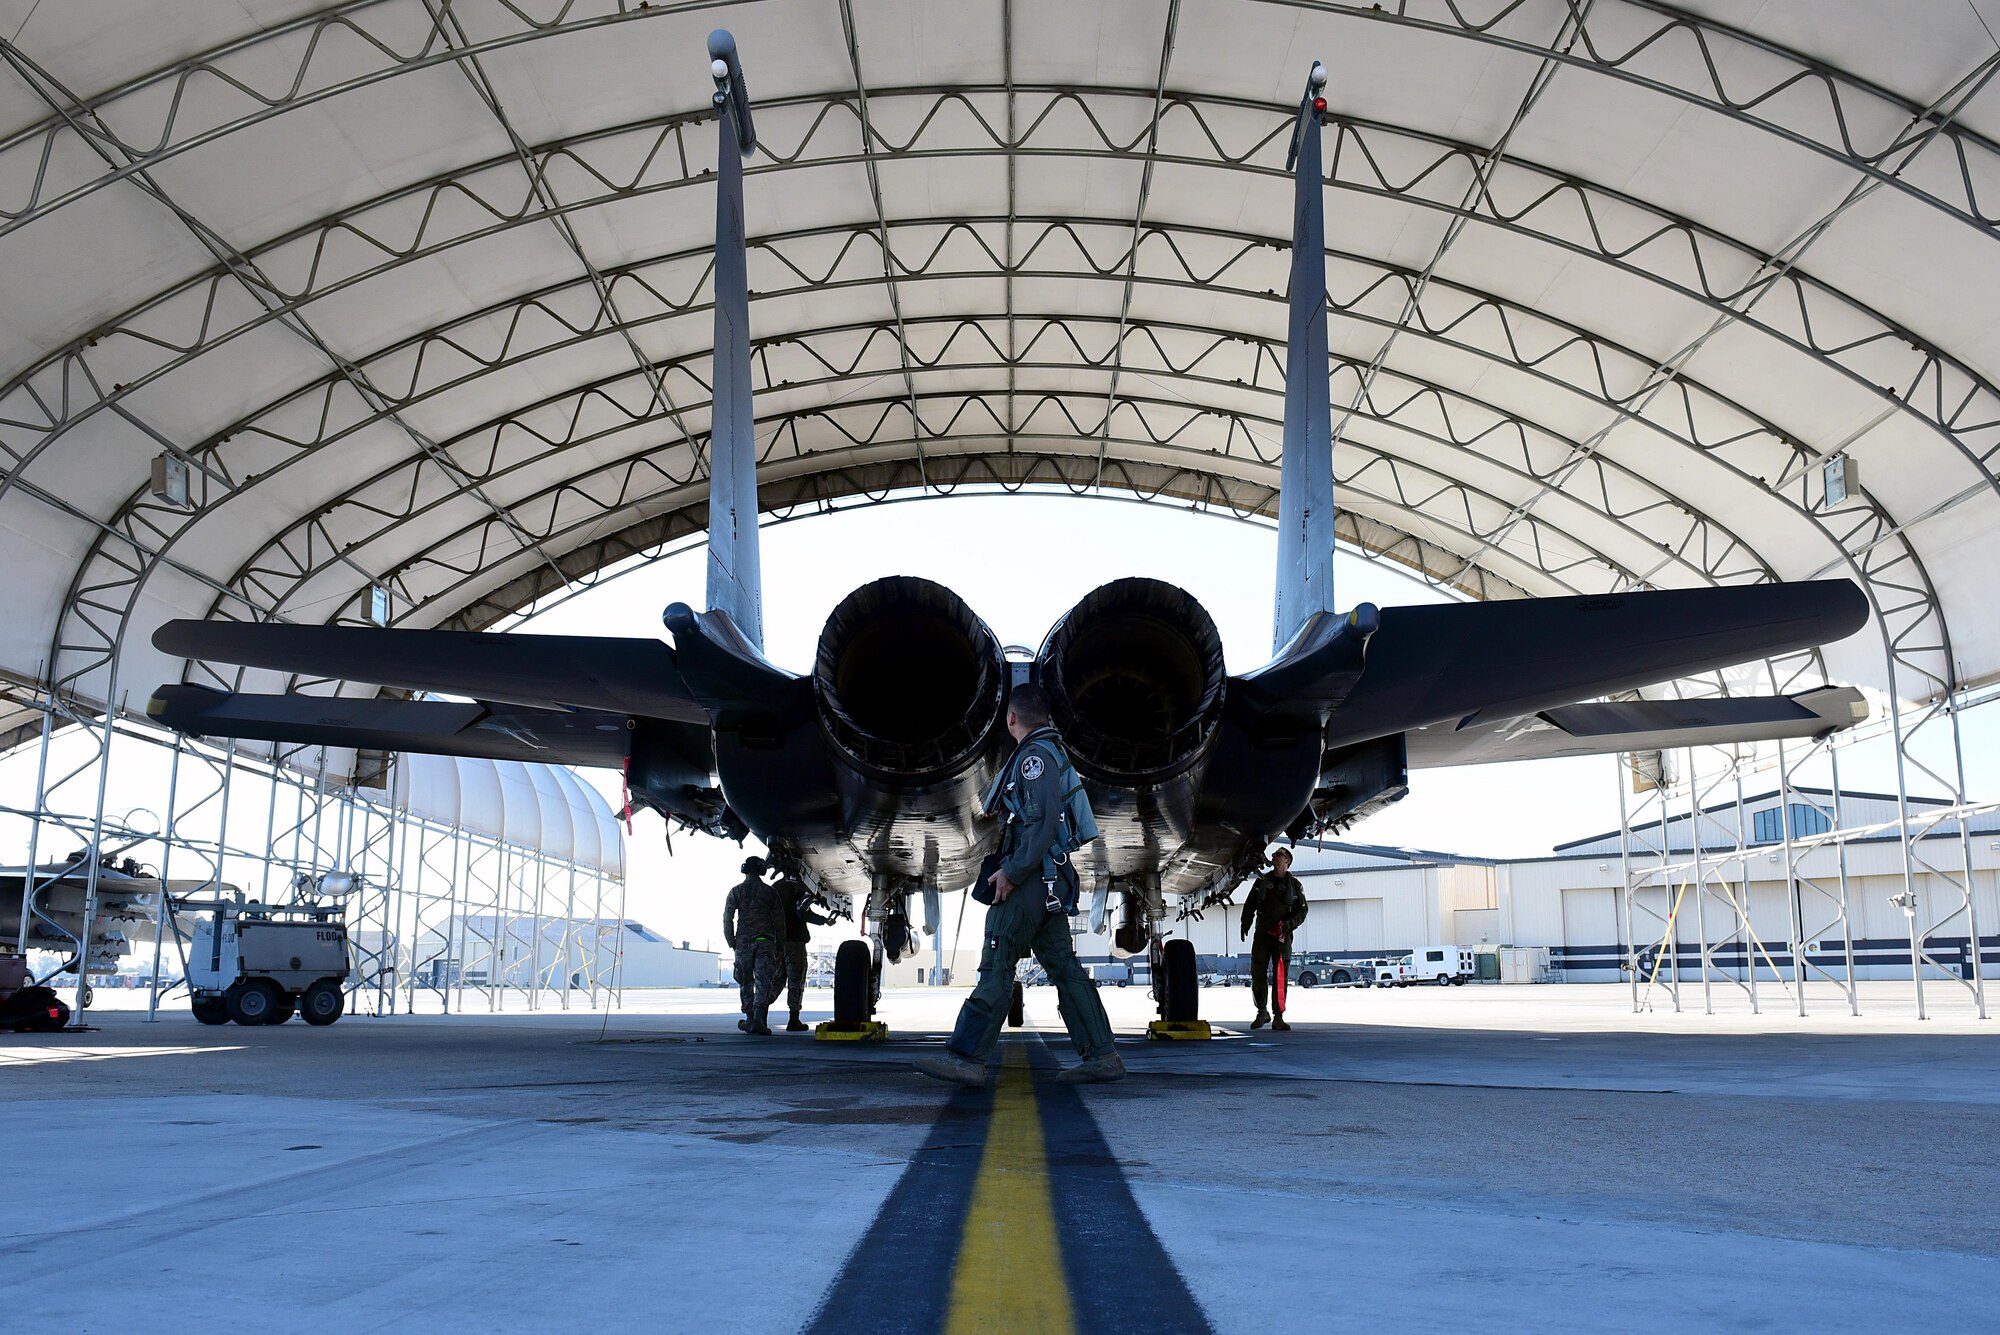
(1965, 861)
(1847, 927)
(35, 826)
(163, 916)
(1700, 884)
(1625, 770)
(95, 853)
(1795, 907)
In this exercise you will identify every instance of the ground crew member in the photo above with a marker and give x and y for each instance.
(1033, 891)
(1276, 906)
(799, 917)
(753, 923)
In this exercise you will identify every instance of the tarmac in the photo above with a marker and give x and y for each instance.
(1490, 1158)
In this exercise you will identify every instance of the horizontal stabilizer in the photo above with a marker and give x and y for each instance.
(1638, 725)
(435, 727)
(1464, 664)
(626, 676)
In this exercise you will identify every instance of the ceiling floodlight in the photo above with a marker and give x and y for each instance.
(1840, 478)
(170, 481)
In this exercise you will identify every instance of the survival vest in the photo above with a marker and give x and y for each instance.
(1076, 824)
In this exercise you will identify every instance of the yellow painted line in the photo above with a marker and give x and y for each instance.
(1010, 1275)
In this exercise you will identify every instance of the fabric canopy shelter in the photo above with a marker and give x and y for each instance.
(417, 294)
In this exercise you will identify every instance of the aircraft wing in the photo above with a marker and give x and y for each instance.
(1637, 725)
(437, 727)
(1462, 665)
(623, 676)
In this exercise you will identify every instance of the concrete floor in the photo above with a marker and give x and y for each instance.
(1473, 1158)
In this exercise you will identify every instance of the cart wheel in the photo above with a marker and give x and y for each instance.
(253, 1001)
(288, 1006)
(89, 995)
(210, 1010)
(323, 1002)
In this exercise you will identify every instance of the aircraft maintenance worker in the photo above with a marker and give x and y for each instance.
(1033, 893)
(1276, 906)
(753, 923)
(799, 918)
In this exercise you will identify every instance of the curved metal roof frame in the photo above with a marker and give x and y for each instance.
(419, 291)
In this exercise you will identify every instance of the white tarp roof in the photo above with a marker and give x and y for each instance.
(519, 802)
(424, 300)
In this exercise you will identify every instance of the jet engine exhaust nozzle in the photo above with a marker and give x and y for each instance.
(909, 681)
(1135, 677)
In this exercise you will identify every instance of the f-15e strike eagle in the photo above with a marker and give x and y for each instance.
(866, 772)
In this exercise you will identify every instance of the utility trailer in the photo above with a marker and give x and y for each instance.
(261, 963)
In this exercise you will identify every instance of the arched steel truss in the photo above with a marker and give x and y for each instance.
(1465, 491)
(106, 371)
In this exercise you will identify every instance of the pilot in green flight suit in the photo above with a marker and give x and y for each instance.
(1275, 907)
(1034, 892)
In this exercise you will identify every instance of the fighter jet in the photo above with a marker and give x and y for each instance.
(866, 771)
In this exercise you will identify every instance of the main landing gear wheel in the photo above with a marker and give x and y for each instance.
(253, 1002)
(210, 1010)
(853, 983)
(1182, 997)
(1017, 1009)
(323, 1002)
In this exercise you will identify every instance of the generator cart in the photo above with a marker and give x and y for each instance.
(258, 963)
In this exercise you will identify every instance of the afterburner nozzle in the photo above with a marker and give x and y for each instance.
(1135, 677)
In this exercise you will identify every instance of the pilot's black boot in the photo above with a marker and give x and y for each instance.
(796, 1025)
(1263, 1018)
(1279, 1023)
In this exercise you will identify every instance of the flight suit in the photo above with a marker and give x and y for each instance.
(799, 917)
(753, 923)
(1272, 911)
(1024, 921)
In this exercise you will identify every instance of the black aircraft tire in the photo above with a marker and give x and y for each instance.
(323, 1002)
(1183, 980)
(1017, 1008)
(853, 981)
(210, 1010)
(253, 1002)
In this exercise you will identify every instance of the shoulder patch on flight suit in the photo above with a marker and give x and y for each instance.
(1031, 768)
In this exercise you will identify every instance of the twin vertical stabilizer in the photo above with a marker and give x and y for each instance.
(1305, 472)
(735, 580)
